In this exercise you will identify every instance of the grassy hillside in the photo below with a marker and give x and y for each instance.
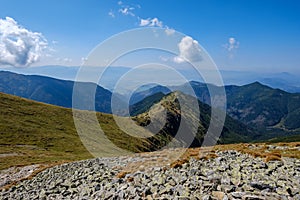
(32, 132)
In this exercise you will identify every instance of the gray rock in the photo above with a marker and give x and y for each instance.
(261, 186)
(238, 195)
(253, 197)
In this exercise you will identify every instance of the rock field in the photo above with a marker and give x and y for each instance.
(231, 175)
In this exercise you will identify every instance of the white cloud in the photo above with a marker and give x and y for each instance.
(231, 46)
(164, 59)
(67, 60)
(111, 13)
(144, 22)
(154, 22)
(169, 31)
(127, 11)
(64, 60)
(19, 46)
(189, 50)
(178, 59)
(83, 60)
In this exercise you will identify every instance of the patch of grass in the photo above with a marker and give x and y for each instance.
(122, 174)
(272, 158)
(262, 150)
(179, 163)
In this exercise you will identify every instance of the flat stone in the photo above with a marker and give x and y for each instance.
(217, 194)
(238, 195)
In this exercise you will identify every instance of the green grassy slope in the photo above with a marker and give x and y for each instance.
(32, 132)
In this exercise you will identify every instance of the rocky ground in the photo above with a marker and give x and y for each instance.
(13, 174)
(229, 175)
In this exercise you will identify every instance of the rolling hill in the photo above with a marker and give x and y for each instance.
(53, 91)
(33, 132)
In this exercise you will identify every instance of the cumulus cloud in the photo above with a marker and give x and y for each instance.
(129, 10)
(19, 46)
(189, 50)
(154, 22)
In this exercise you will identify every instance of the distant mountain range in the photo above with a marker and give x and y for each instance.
(271, 112)
(285, 81)
(265, 112)
(54, 91)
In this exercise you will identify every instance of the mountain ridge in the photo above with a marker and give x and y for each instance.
(54, 91)
(233, 131)
(272, 112)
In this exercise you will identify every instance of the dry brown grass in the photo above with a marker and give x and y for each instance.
(130, 179)
(179, 163)
(169, 157)
(122, 174)
(272, 158)
(196, 153)
(261, 150)
(210, 156)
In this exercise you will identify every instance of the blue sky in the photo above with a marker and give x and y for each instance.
(265, 34)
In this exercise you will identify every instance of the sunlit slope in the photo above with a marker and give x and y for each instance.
(32, 132)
